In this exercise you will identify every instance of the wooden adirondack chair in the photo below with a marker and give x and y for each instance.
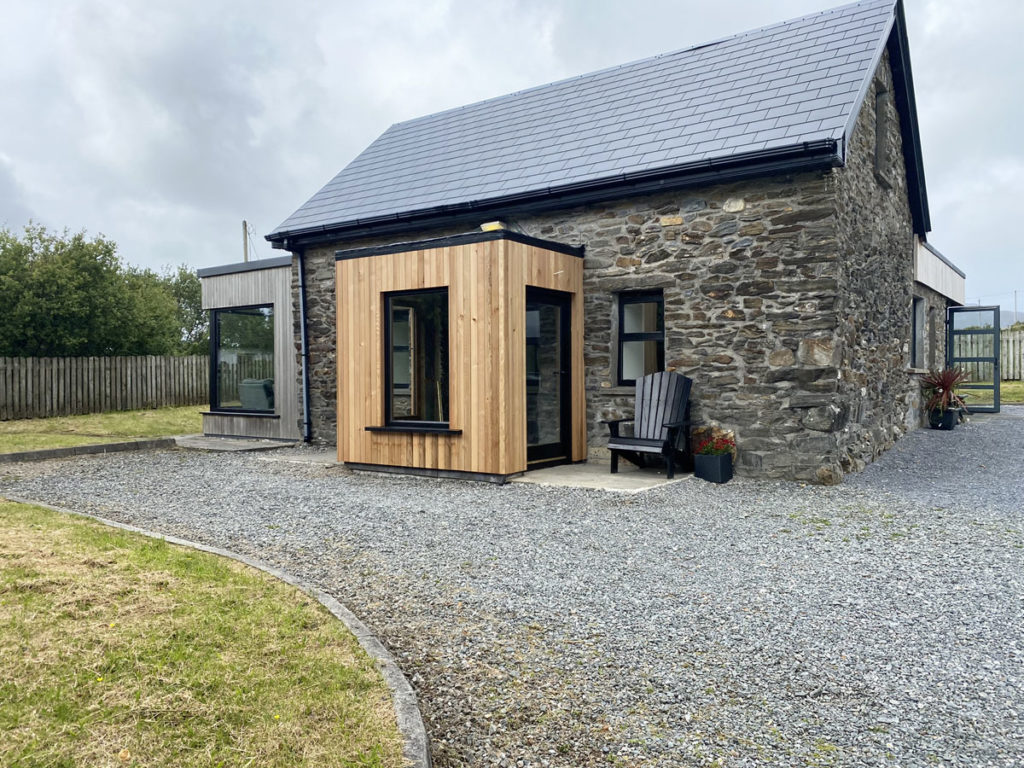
(661, 421)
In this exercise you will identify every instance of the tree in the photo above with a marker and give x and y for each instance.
(68, 295)
(193, 320)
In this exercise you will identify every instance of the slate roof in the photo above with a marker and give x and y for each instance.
(793, 85)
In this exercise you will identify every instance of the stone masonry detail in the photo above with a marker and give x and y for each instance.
(787, 300)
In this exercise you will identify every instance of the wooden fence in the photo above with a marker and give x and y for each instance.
(40, 387)
(1011, 355)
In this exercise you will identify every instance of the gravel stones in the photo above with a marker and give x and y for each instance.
(876, 623)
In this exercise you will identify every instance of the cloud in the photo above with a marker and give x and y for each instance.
(163, 125)
(14, 212)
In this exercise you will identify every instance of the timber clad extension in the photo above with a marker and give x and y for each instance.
(487, 282)
(265, 284)
(764, 194)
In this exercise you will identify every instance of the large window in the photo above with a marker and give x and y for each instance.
(416, 348)
(243, 358)
(641, 335)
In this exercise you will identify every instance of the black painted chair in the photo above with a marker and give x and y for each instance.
(661, 422)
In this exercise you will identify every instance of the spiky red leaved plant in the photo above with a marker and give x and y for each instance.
(940, 389)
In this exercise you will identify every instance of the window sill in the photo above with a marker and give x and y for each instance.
(415, 429)
(617, 390)
(247, 414)
(917, 371)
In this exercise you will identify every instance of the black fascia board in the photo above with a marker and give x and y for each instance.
(808, 156)
(906, 104)
(462, 239)
(245, 266)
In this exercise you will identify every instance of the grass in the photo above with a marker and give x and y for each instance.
(65, 431)
(1011, 392)
(120, 650)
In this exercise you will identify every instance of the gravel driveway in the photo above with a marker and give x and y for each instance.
(880, 622)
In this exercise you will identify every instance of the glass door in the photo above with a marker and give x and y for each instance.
(973, 344)
(548, 402)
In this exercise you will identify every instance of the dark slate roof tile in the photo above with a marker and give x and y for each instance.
(769, 88)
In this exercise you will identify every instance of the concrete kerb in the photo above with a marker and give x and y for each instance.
(416, 747)
(82, 450)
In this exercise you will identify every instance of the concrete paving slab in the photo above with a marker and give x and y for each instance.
(304, 454)
(597, 474)
(232, 444)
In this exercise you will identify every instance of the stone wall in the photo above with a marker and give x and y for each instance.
(935, 326)
(321, 309)
(935, 305)
(787, 300)
(749, 277)
(876, 392)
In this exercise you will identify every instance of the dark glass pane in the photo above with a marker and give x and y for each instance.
(639, 358)
(245, 359)
(543, 374)
(974, 345)
(917, 338)
(980, 320)
(419, 356)
(979, 373)
(641, 317)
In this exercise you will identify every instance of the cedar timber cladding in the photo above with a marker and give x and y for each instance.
(487, 283)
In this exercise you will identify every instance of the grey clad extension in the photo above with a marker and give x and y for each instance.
(751, 213)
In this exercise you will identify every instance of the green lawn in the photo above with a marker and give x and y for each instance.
(120, 650)
(64, 431)
(1011, 392)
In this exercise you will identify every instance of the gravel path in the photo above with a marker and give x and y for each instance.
(876, 623)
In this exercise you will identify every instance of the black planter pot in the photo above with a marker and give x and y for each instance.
(714, 469)
(943, 419)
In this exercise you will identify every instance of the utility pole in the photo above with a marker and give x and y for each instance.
(245, 240)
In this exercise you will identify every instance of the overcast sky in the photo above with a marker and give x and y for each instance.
(163, 125)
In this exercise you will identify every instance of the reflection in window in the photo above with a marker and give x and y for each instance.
(243, 348)
(641, 335)
(417, 356)
(973, 321)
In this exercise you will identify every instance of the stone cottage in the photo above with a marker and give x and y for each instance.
(751, 213)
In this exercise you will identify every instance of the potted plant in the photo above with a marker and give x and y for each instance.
(712, 460)
(943, 404)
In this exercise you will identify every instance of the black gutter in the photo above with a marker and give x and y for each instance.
(903, 82)
(814, 155)
(307, 422)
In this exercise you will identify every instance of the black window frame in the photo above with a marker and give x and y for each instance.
(656, 296)
(417, 424)
(215, 406)
(918, 332)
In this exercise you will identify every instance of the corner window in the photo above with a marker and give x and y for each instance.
(641, 335)
(917, 320)
(242, 344)
(416, 347)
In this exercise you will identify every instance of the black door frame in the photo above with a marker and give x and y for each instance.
(550, 454)
(953, 360)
